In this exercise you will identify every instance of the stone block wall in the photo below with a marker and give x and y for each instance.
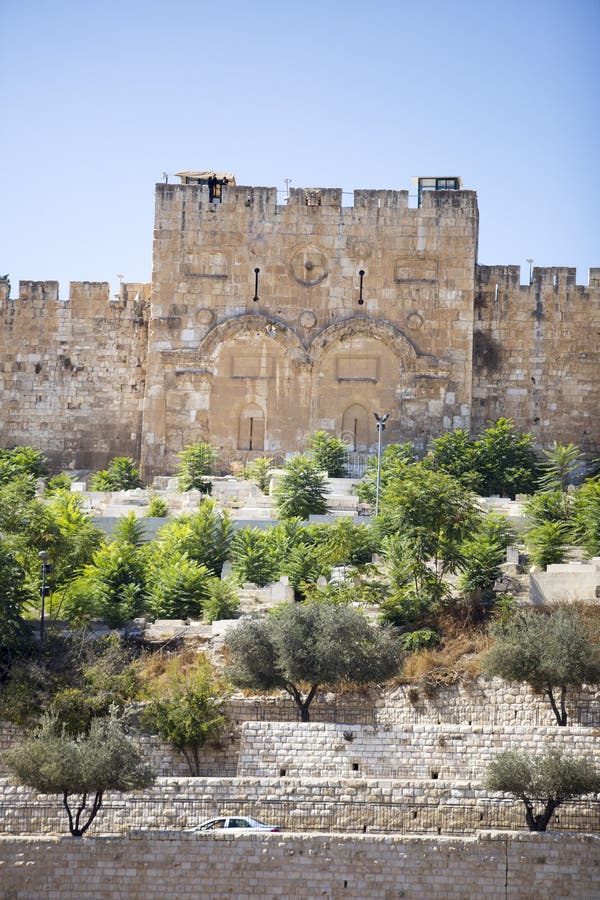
(459, 752)
(536, 354)
(339, 867)
(357, 805)
(72, 373)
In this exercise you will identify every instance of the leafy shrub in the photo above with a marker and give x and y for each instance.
(157, 507)
(586, 516)
(259, 471)
(121, 475)
(222, 601)
(21, 461)
(413, 641)
(252, 557)
(57, 483)
(547, 543)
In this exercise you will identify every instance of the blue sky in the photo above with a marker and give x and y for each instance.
(98, 99)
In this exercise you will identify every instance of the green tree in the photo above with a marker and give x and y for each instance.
(74, 540)
(506, 460)
(308, 646)
(157, 507)
(14, 636)
(129, 530)
(395, 459)
(22, 463)
(103, 759)
(415, 590)
(188, 713)
(177, 587)
(205, 536)
(303, 490)
(329, 453)
(60, 483)
(547, 651)
(222, 602)
(550, 780)
(481, 563)
(259, 471)
(252, 557)
(547, 543)
(121, 475)
(454, 453)
(549, 506)
(304, 565)
(586, 516)
(497, 528)
(111, 588)
(434, 513)
(195, 464)
(342, 543)
(562, 460)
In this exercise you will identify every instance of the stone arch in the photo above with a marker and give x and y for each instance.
(276, 331)
(251, 427)
(256, 363)
(377, 329)
(361, 366)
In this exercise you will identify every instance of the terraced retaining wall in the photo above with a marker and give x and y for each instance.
(339, 867)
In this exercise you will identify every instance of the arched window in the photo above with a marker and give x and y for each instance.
(251, 428)
(355, 427)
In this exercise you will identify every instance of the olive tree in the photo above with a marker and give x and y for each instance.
(308, 646)
(81, 767)
(547, 651)
(549, 780)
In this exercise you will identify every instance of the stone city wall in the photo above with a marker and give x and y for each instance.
(339, 867)
(72, 372)
(536, 354)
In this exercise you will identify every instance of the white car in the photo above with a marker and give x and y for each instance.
(235, 823)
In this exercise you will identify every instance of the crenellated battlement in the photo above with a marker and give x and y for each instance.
(40, 293)
(554, 276)
(265, 199)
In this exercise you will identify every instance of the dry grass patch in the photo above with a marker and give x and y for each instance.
(457, 659)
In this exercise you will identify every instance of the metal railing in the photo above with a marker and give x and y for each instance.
(120, 815)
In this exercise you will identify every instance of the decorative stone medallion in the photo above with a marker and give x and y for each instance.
(414, 321)
(307, 319)
(308, 266)
(205, 316)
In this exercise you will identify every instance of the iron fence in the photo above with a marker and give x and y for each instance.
(449, 817)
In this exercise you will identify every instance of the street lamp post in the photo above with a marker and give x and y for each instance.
(44, 591)
(381, 420)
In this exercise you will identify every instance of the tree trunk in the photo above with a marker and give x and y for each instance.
(561, 714)
(302, 703)
(75, 826)
(540, 821)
